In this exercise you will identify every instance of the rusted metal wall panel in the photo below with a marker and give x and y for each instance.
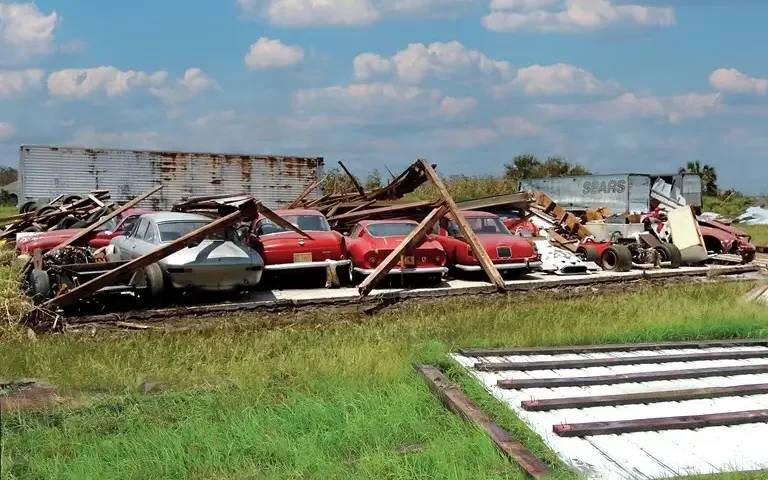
(622, 193)
(47, 171)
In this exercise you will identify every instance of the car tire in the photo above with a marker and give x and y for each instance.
(33, 229)
(670, 253)
(153, 275)
(66, 222)
(344, 273)
(39, 285)
(27, 207)
(748, 257)
(71, 199)
(355, 278)
(45, 209)
(616, 258)
(588, 253)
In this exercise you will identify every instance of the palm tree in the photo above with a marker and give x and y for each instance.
(707, 174)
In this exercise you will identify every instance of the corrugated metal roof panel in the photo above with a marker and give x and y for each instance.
(47, 171)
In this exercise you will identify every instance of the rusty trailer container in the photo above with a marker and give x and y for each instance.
(49, 171)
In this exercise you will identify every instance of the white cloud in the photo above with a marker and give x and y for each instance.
(81, 82)
(295, 13)
(362, 96)
(451, 107)
(574, 16)
(145, 140)
(7, 130)
(518, 127)
(267, 53)
(13, 82)
(438, 59)
(674, 109)
(25, 31)
(190, 86)
(557, 79)
(732, 80)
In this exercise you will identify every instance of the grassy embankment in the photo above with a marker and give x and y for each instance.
(329, 398)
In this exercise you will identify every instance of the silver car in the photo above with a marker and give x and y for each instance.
(218, 263)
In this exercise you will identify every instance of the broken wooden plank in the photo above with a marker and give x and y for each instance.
(517, 384)
(354, 179)
(86, 231)
(246, 210)
(621, 347)
(384, 267)
(376, 211)
(459, 403)
(297, 201)
(548, 404)
(278, 220)
(610, 362)
(477, 248)
(659, 424)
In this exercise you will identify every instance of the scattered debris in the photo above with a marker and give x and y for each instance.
(754, 216)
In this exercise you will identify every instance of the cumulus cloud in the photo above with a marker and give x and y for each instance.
(439, 59)
(362, 96)
(732, 80)
(186, 88)
(15, 82)
(25, 31)
(7, 130)
(675, 108)
(466, 137)
(518, 127)
(557, 79)
(79, 83)
(295, 13)
(145, 139)
(452, 107)
(571, 15)
(267, 53)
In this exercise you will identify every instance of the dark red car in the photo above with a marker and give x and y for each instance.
(509, 252)
(371, 241)
(100, 238)
(285, 250)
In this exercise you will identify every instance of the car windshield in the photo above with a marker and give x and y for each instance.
(308, 223)
(487, 225)
(111, 224)
(170, 231)
(390, 229)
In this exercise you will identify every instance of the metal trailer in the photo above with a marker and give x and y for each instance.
(689, 184)
(49, 171)
(621, 193)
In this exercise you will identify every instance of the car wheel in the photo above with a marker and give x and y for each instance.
(33, 229)
(670, 253)
(616, 258)
(66, 222)
(748, 257)
(154, 278)
(588, 253)
(344, 274)
(27, 207)
(39, 285)
(71, 199)
(45, 209)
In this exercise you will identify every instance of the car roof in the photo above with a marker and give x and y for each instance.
(137, 211)
(297, 211)
(475, 214)
(159, 217)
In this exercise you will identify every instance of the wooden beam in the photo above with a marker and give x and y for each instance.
(297, 201)
(277, 219)
(466, 231)
(546, 405)
(632, 377)
(84, 232)
(384, 267)
(615, 361)
(248, 209)
(620, 347)
(355, 182)
(374, 211)
(660, 424)
(459, 403)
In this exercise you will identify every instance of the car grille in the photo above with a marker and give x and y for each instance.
(504, 252)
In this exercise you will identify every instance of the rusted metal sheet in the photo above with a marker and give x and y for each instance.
(46, 171)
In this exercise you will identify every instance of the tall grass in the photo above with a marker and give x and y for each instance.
(464, 187)
(759, 233)
(329, 398)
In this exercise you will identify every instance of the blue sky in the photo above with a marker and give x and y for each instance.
(618, 85)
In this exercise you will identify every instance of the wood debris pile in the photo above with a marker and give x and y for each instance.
(63, 212)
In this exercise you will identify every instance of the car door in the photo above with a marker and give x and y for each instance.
(130, 247)
(147, 239)
(452, 240)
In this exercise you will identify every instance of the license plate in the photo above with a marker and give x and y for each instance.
(409, 261)
(302, 257)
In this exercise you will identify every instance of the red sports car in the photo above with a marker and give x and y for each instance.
(370, 242)
(285, 250)
(100, 238)
(509, 252)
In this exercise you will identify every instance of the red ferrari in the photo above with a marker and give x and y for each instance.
(371, 241)
(117, 226)
(509, 252)
(285, 250)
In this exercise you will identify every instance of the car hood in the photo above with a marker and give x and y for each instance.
(501, 240)
(326, 238)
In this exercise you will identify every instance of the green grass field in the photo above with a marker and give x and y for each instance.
(333, 396)
(759, 233)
